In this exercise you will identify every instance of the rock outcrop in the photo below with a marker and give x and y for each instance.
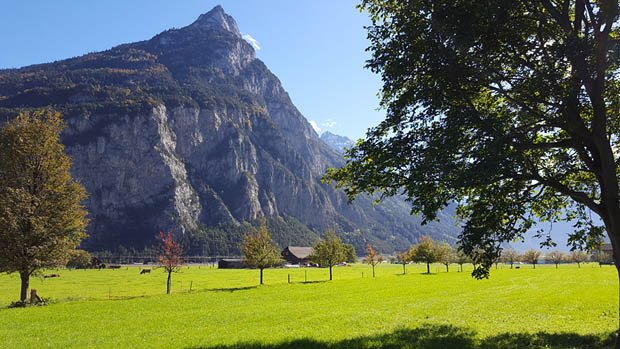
(189, 130)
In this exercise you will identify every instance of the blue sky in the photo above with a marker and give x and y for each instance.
(315, 47)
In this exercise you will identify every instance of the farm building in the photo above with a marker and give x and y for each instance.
(297, 254)
(230, 264)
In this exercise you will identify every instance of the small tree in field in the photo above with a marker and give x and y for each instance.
(170, 256)
(427, 252)
(403, 258)
(259, 250)
(461, 258)
(79, 259)
(41, 218)
(578, 257)
(510, 256)
(446, 254)
(328, 252)
(531, 256)
(373, 258)
(556, 257)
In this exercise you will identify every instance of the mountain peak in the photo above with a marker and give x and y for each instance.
(338, 143)
(217, 19)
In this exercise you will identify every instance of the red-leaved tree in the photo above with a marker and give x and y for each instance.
(170, 256)
(373, 258)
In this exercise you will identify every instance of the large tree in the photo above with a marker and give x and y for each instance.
(510, 108)
(42, 219)
(329, 252)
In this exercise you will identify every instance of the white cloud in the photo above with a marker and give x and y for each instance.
(315, 126)
(251, 40)
(329, 123)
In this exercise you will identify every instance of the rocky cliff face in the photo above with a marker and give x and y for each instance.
(189, 130)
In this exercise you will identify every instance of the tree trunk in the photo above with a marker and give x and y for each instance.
(612, 226)
(373, 270)
(404, 270)
(578, 265)
(25, 276)
(428, 268)
(534, 264)
(261, 276)
(615, 253)
(168, 283)
(446, 268)
(511, 265)
(330, 272)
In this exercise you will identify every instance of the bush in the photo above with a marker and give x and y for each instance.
(26, 303)
(79, 259)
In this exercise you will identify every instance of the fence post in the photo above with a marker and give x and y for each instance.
(289, 278)
(190, 285)
(306, 276)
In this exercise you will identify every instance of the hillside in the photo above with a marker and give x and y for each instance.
(189, 132)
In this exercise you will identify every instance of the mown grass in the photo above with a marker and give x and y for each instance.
(565, 307)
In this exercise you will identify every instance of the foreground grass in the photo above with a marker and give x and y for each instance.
(566, 307)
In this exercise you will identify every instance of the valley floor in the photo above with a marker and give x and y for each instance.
(565, 307)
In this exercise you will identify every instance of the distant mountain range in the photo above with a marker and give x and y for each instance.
(188, 132)
(338, 143)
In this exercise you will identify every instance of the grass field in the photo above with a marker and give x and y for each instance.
(565, 307)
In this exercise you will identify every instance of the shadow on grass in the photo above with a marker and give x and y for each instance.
(231, 289)
(442, 336)
(313, 282)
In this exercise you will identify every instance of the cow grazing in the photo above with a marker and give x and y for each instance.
(145, 271)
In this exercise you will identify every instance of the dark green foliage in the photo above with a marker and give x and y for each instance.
(79, 259)
(510, 108)
(350, 255)
(328, 252)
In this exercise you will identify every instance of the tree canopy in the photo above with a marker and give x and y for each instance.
(427, 251)
(170, 256)
(42, 219)
(259, 250)
(329, 252)
(373, 258)
(508, 108)
(556, 257)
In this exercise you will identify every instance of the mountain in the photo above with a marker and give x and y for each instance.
(189, 132)
(338, 143)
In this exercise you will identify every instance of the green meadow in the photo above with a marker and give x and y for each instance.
(515, 308)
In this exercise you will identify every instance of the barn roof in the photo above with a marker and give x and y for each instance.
(300, 252)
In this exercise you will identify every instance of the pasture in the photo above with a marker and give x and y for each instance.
(565, 307)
